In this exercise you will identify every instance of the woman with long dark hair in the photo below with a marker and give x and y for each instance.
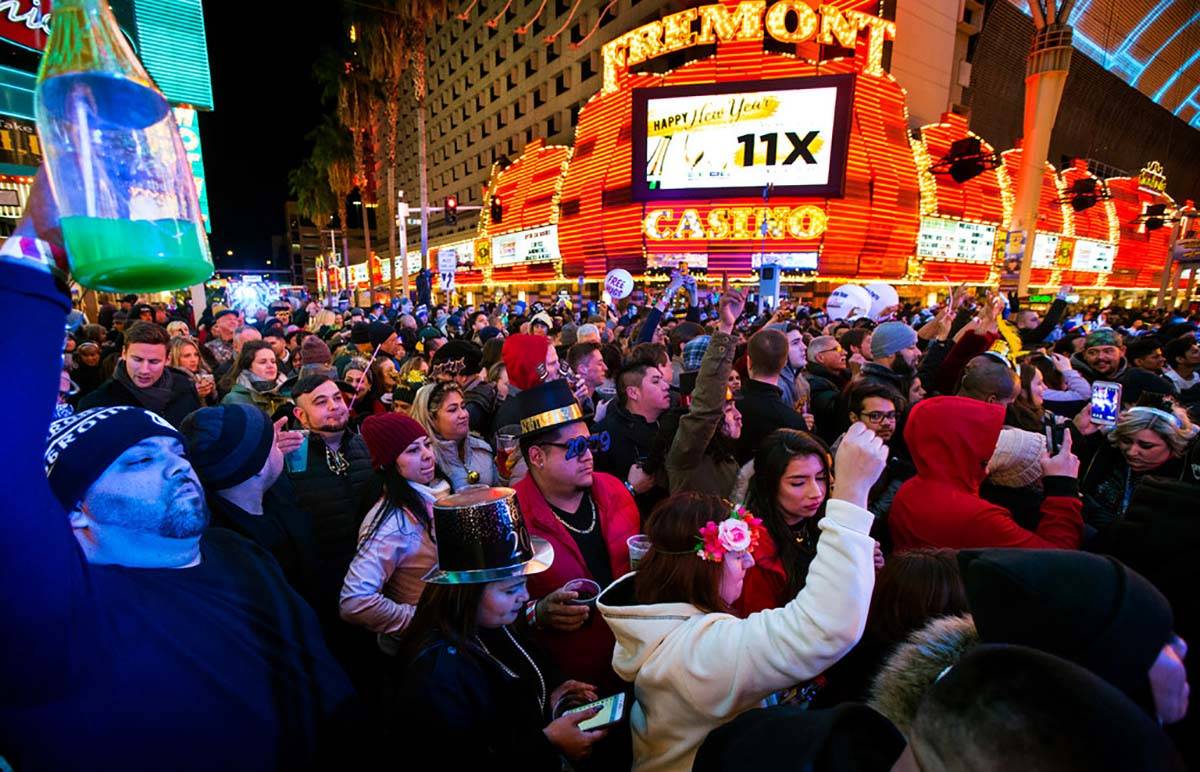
(473, 693)
(792, 471)
(255, 380)
(396, 546)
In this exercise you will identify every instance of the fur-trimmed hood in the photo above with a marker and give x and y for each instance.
(917, 663)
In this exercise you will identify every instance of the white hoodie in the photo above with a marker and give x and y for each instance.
(693, 671)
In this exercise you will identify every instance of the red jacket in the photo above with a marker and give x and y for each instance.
(765, 585)
(585, 654)
(951, 440)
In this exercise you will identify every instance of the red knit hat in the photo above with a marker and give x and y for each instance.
(525, 359)
(388, 435)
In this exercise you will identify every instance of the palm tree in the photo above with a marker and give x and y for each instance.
(314, 199)
(333, 152)
(395, 40)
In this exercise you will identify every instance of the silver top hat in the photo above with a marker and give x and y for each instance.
(481, 537)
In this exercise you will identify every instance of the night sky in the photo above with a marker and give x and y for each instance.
(261, 56)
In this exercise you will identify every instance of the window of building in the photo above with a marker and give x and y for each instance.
(586, 68)
(551, 126)
(530, 66)
(560, 83)
(538, 99)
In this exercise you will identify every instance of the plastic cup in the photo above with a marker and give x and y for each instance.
(587, 590)
(297, 461)
(639, 545)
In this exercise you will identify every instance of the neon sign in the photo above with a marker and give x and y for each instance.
(779, 222)
(788, 21)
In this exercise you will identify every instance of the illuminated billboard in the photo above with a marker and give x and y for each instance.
(789, 261)
(735, 139)
(1092, 255)
(955, 240)
(534, 245)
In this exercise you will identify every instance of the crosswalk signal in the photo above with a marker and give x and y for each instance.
(497, 210)
(450, 210)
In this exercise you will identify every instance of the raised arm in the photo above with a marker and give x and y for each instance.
(41, 566)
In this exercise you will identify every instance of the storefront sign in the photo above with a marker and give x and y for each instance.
(787, 21)
(955, 240)
(735, 139)
(780, 222)
(23, 22)
(536, 245)
(675, 259)
(1092, 255)
(1045, 249)
(1152, 177)
(791, 261)
(464, 252)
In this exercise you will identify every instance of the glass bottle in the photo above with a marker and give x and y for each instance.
(117, 168)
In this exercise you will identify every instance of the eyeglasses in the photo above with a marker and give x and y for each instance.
(576, 446)
(878, 416)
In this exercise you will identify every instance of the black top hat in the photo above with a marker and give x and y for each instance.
(547, 406)
(481, 537)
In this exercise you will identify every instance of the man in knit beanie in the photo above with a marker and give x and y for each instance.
(894, 355)
(234, 451)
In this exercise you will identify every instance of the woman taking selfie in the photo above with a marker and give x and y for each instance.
(462, 458)
(185, 355)
(694, 664)
(473, 693)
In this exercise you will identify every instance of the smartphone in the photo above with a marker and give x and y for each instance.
(1106, 402)
(1054, 437)
(612, 710)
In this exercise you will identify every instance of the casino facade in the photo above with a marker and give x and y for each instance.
(737, 135)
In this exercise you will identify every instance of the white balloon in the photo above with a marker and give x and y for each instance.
(847, 302)
(882, 296)
(619, 283)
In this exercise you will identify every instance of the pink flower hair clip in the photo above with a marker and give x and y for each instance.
(740, 532)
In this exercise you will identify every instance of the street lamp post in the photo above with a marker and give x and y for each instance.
(1045, 77)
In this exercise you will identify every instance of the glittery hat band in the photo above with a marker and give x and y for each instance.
(552, 418)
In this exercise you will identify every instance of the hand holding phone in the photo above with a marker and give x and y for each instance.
(610, 710)
(1106, 403)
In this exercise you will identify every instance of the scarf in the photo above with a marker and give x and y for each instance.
(431, 493)
(256, 384)
(154, 397)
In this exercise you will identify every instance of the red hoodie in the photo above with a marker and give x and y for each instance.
(951, 440)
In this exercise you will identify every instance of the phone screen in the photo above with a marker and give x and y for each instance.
(1106, 402)
(611, 710)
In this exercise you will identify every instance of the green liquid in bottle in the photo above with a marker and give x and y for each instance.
(136, 255)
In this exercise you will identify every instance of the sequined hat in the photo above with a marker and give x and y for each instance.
(481, 537)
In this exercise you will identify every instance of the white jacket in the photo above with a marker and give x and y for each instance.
(693, 671)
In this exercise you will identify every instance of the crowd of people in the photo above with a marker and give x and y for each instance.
(323, 537)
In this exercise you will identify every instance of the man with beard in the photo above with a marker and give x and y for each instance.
(587, 516)
(894, 355)
(1103, 357)
(143, 379)
(335, 484)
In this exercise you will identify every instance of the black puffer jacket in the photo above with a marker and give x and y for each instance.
(337, 504)
(825, 400)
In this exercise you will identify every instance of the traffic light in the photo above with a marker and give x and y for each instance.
(497, 210)
(450, 210)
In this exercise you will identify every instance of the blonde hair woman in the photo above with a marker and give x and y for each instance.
(324, 318)
(462, 458)
(184, 353)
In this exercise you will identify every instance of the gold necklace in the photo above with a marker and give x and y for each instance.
(573, 529)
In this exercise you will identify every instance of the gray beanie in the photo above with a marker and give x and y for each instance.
(891, 337)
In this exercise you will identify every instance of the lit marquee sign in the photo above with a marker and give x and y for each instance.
(791, 261)
(536, 245)
(1092, 255)
(734, 139)
(464, 252)
(779, 222)
(787, 21)
(955, 240)
(1045, 249)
